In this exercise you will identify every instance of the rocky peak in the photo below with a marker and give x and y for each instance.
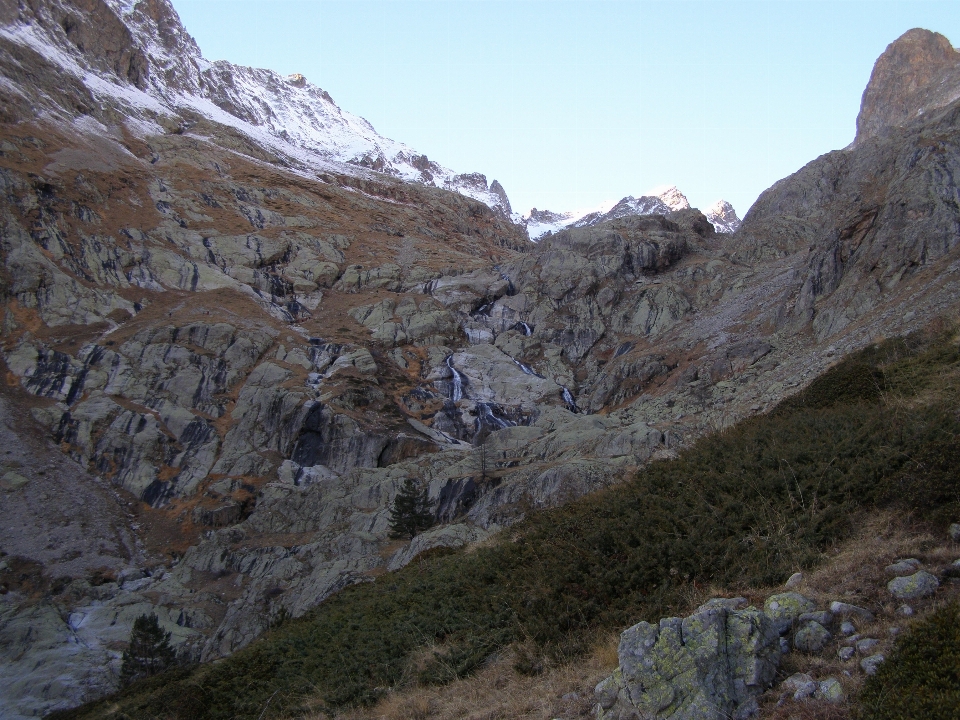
(662, 200)
(918, 72)
(671, 196)
(723, 217)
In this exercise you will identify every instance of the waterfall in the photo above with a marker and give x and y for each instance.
(527, 369)
(568, 399)
(525, 329)
(457, 383)
(486, 417)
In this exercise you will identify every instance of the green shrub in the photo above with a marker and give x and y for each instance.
(921, 679)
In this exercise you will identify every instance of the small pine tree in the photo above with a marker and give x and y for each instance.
(149, 652)
(410, 513)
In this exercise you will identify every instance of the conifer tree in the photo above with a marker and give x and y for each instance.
(410, 513)
(149, 652)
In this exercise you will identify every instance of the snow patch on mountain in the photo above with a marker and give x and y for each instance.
(287, 115)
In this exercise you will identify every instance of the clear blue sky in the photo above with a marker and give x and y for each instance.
(572, 103)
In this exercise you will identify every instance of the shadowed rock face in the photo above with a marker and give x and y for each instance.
(917, 73)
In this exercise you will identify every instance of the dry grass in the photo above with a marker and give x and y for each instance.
(499, 692)
(853, 572)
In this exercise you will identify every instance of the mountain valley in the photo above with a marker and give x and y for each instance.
(236, 319)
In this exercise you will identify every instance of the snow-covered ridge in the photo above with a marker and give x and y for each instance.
(659, 201)
(161, 71)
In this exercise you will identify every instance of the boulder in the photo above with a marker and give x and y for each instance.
(845, 610)
(903, 567)
(708, 666)
(870, 664)
(821, 616)
(911, 587)
(830, 690)
(793, 581)
(786, 607)
(811, 638)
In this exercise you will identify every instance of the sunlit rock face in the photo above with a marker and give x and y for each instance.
(917, 73)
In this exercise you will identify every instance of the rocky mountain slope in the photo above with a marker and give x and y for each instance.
(134, 60)
(242, 343)
(660, 201)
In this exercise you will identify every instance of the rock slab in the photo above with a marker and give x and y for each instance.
(708, 666)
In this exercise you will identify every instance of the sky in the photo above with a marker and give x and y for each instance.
(570, 104)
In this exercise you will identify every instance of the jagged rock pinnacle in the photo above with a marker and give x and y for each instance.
(918, 72)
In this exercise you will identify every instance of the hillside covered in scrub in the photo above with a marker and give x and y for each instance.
(741, 509)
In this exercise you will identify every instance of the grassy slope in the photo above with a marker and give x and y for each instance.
(739, 508)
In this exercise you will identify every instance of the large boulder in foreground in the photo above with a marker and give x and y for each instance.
(709, 666)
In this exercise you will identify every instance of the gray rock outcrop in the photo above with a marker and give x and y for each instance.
(708, 666)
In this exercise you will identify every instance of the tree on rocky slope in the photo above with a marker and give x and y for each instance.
(149, 652)
(410, 513)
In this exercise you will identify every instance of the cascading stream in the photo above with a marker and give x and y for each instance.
(486, 417)
(527, 370)
(456, 393)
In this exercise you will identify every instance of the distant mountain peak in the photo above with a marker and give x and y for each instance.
(671, 196)
(661, 200)
(723, 217)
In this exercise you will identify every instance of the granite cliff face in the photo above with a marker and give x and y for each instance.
(230, 346)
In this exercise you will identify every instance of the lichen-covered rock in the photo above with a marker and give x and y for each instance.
(708, 666)
(811, 638)
(911, 587)
(786, 607)
(830, 690)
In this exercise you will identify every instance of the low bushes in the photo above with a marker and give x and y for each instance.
(740, 508)
(922, 677)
